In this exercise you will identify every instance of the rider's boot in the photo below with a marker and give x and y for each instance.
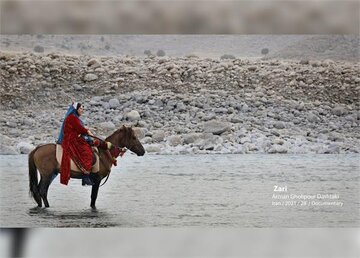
(86, 180)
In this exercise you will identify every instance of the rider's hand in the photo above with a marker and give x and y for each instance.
(90, 133)
(109, 145)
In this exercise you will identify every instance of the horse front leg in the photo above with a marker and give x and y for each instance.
(95, 188)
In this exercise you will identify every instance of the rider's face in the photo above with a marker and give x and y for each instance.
(80, 110)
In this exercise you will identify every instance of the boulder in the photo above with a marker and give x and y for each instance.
(5, 140)
(158, 136)
(146, 140)
(24, 147)
(236, 119)
(133, 115)
(278, 149)
(118, 118)
(252, 68)
(142, 124)
(90, 77)
(312, 118)
(12, 69)
(339, 111)
(274, 132)
(279, 125)
(278, 141)
(114, 103)
(158, 125)
(244, 140)
(190, 138)
(252, 147)
(208, 142)
(105, 105)
(7, 150)
(77, 87)
(333, 148)
(39, 49)
(153, 148)
(174, 140)
(94, 63)
(215, 127)
(107, 125)
(140, 132)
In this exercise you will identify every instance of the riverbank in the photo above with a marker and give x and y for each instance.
(184, 105)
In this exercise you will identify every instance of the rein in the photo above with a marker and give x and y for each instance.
(121, 149)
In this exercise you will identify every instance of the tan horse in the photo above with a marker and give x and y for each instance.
(43, 159)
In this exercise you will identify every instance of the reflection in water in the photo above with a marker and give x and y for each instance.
(36, 211)
(84, 218)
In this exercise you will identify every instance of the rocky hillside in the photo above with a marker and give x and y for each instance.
(185, 105)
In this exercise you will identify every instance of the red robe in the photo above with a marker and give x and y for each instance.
(74, 147)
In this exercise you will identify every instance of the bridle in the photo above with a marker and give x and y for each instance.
(120, 151)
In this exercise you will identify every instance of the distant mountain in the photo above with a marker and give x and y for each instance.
(212, 46)
(321, 47)
(318, 47)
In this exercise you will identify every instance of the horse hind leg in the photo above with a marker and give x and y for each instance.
(37, 198)
(44, 187)
(36, 194)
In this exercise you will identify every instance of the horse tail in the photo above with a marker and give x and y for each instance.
(33, 178)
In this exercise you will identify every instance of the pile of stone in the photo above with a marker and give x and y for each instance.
(184, 105)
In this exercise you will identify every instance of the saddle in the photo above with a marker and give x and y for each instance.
(94, 169)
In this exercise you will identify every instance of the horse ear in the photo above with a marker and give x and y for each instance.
(125, 129)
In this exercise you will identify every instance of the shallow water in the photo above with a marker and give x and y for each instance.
(197, 190)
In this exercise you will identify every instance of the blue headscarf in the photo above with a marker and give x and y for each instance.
(71, 110)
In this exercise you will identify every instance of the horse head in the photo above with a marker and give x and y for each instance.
(125, 137)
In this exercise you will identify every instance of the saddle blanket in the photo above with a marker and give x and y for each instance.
(95, 168)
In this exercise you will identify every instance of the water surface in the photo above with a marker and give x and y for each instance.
(197, 190)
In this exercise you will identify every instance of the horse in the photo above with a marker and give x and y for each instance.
(43, 159)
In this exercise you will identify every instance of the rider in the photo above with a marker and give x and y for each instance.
(77, 145)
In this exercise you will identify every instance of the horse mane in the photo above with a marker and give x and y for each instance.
(128, 133)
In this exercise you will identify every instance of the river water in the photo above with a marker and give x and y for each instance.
(197, 190)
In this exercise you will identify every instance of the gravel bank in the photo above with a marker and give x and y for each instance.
(184, 105)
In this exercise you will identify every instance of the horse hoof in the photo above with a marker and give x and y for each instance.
(93, 207)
